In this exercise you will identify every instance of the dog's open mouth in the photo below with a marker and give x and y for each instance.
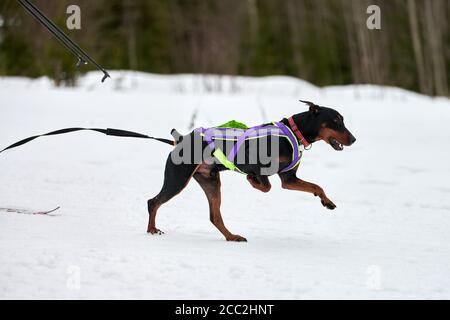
(335, 144)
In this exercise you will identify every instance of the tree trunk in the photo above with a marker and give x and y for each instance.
(433, 19)
(129, 21)
(424, 84)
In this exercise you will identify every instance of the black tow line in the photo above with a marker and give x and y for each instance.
(108, 131)
(80, 54)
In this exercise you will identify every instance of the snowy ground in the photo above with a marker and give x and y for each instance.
(388, 238)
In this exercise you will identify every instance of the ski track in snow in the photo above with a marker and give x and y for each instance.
(388, 238)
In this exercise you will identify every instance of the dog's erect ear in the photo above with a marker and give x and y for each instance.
(313, 108)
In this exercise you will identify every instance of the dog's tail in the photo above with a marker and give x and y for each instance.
(108, 131)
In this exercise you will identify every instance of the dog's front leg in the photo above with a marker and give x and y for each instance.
(291, 182)
(261, 183)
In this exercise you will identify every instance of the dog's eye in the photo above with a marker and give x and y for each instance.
(338, 122)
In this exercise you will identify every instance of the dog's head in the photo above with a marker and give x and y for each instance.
(328, 125)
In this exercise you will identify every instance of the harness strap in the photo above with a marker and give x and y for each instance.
(296, 153)
(207, 134)
(208, 138)
(240, 141)
(297, 132)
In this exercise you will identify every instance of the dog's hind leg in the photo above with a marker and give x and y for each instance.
(209, 180)
(176, 177)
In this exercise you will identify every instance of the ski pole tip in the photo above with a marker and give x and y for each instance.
(105, 76)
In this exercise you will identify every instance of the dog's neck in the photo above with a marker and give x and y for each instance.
(305, 125)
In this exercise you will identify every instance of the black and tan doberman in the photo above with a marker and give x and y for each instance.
(318, 123)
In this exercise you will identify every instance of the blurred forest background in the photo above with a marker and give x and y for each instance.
(323, 41)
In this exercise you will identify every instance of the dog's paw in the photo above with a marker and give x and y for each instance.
(237, 238)
(155, 231)
(328, 204)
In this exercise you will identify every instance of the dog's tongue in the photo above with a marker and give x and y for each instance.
(335, 144)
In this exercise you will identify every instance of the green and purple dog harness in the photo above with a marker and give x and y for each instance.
(239, 133)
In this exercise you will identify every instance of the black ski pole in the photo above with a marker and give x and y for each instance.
(50, 28)
(55, 30)
(81, 55)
